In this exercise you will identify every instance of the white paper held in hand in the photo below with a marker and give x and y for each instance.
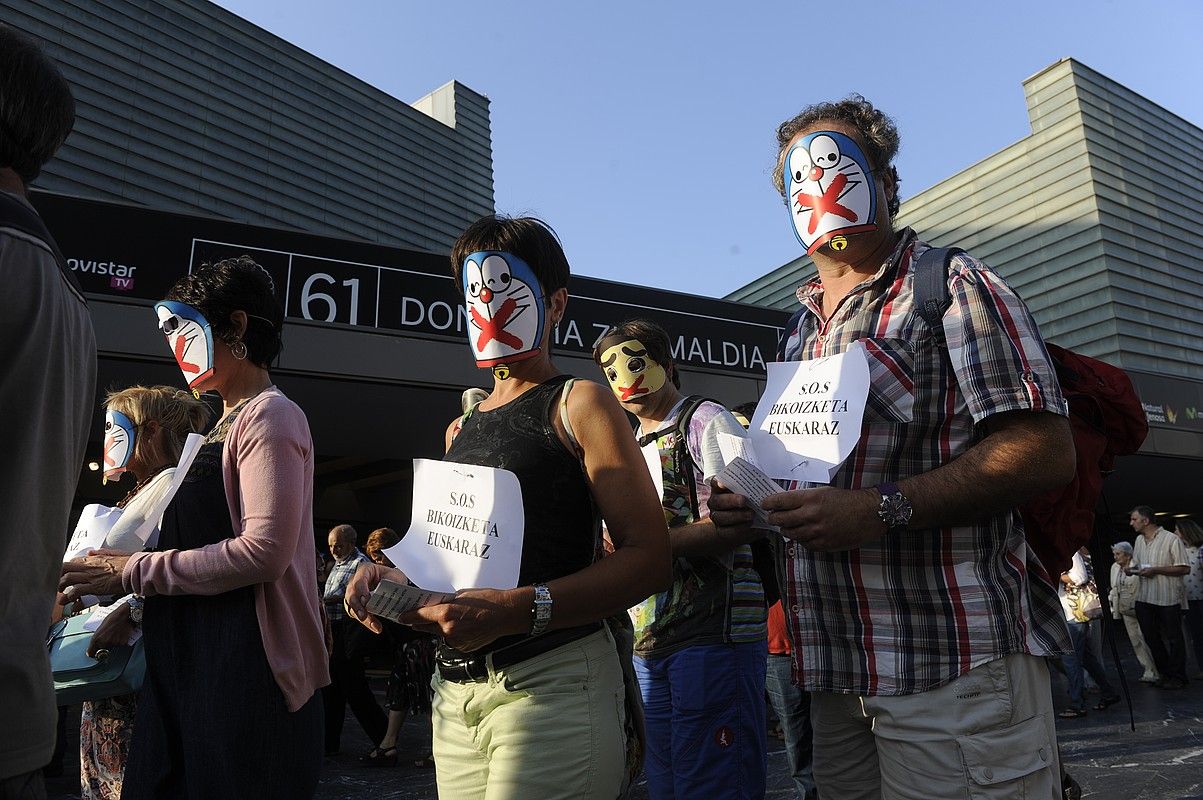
(808, 421)
(743, 477)
(467, 528)
(391, 599)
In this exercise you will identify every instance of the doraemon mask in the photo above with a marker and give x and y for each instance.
(631, 372)
(190, 338)
(829, 190)
(120, 433)
(505, 308)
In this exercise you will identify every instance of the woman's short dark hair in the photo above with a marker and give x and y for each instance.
(219, 289)
(529, 238)
(654, 338)
(36, 108)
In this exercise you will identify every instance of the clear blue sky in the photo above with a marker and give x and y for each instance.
(644, 131)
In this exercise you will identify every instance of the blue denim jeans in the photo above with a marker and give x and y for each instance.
(792, 707)
(1083, 658)
(705, 718)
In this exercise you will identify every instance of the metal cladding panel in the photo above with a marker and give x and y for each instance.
(191, 108)
(1146, 166)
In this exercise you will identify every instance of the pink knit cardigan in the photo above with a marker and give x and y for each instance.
(267, 467)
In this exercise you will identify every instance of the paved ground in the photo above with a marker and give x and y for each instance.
(1161, 760)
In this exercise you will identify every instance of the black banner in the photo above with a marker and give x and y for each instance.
(122, 251)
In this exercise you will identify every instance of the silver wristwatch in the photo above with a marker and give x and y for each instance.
(540, 610)
(895, 509)
(135, 604)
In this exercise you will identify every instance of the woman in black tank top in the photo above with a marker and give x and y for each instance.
(529, 695)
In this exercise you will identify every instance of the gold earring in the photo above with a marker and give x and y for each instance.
(238, 349)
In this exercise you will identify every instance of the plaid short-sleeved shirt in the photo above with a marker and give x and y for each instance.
(916, 609)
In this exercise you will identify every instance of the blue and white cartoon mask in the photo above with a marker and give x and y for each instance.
(190, 338)
(505, 308)
(829, 190)
(120, 433)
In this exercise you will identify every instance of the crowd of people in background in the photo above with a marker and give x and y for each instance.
(896, 618)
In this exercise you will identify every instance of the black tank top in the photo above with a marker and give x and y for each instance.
(563, 526)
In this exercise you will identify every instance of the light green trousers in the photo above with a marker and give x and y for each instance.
(549, 727)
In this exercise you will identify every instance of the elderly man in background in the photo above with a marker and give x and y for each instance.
(348, 683)
(47, 386)
(1159, 558)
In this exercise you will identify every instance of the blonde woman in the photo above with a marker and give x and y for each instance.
(145, 428)
(1122, 600)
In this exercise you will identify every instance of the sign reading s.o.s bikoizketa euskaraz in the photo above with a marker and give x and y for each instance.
(124, 251)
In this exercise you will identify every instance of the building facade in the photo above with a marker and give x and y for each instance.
(200, 136)
(1092, 218)
(187, 107)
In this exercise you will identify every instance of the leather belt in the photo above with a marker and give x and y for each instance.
(476, 669)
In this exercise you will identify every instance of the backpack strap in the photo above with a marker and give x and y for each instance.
(931, 285)
(683, 462)
(794, 322)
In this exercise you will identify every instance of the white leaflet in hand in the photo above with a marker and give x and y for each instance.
(92, 623)
(808, 421)
(136, 540)
(95, 522)
(466, 530)
(732, 446)
(743, 477)
(392, 599)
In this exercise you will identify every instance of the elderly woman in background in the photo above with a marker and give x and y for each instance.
(409, 689)
(1192, 536)
(145, 428)
(233, 637)
(1123, 606)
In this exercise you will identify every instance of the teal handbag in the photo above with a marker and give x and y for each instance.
(79, 677)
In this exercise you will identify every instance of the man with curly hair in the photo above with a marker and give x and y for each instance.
(919, 618)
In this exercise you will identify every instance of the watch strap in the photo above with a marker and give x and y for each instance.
(540, 610)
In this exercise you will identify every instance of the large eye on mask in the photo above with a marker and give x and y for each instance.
(800, 165)
(636, 365)
(474, 279)
(824, 152)
(611, 374)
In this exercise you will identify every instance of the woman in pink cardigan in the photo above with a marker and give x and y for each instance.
(234, 644)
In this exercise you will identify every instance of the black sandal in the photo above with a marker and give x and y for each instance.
(1107, 702)
(381, 757)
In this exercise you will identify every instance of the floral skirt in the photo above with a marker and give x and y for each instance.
(105, 730)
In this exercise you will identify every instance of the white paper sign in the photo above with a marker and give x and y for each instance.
(391, 599)
(808, 421)
(651, 456)
(95, 522)
(466, 530)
